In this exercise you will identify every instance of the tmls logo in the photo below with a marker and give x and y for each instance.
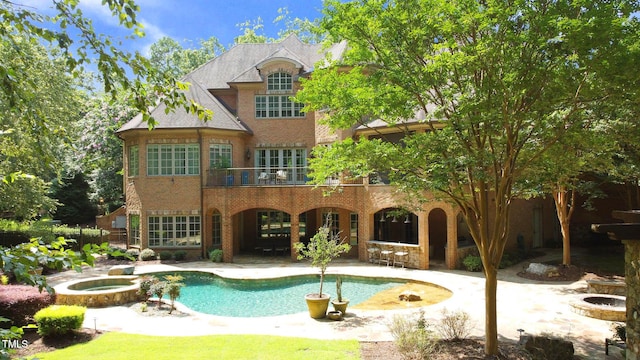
(14, 344)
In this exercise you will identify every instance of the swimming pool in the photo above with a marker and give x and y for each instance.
(215, 295)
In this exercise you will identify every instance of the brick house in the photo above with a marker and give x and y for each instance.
(237, 182)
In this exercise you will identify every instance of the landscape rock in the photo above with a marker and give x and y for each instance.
(544, 347)
(121, 270)
(543, 269)
(409, 296)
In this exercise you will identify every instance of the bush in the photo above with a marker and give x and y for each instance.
(180, 255)
(20, 302)
(59, 319)
(172, 288)
(216, 255)
(165, 255)
(455, 326)
(134, 253)
(147, 254)
(145, 286)
(413, 338)
(508, 260)
(158, 288)
(472, 263)
(116, 253)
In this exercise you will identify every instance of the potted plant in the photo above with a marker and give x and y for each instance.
(321, 249)
(339, 304)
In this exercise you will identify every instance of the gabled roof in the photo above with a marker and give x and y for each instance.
(180, 119)
(241, 64)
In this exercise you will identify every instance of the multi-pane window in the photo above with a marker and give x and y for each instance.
(216, 229)
(334, 222)
(134, 160)
(353, 229)
(277, 106)
(279, 82)
(134, 229)
(173, 159)
(273, 224)
(170, 231)
(220, 155)
(154, 231)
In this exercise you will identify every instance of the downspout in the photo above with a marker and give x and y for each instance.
(203, 178)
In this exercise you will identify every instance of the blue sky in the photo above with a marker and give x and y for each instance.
(189, 21)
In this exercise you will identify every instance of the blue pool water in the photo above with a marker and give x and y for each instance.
(211, 294)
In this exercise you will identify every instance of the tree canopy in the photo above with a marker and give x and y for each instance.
(496, 83)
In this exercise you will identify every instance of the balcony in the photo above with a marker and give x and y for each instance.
(289, 176)
(293, 176)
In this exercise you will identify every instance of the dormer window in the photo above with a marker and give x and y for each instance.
(279, 82)
(278, 103)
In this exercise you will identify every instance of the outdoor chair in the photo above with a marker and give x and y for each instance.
(263, 178)
(281, 176)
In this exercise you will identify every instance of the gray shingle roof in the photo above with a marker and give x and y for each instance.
(180, 119)
(239, 64)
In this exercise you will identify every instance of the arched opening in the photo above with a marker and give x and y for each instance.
(396, 225)
(437, 234)
(343, 222)
(262, 231)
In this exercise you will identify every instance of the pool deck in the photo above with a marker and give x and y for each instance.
(537, 307)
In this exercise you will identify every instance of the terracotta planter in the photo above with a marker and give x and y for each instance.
(340, 305)
(317, 305)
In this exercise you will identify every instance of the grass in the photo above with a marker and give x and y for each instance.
(114, 346)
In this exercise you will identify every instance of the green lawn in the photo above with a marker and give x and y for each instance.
(114, 346)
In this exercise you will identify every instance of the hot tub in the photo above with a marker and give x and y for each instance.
(99, 291)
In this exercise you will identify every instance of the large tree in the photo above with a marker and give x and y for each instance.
(171, 57)
(34, 126)
(499, 82)
(70, 30)
(570, 171)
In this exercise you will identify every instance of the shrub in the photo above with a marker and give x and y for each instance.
(216, 255)
(619, 331)
(180, 255)
(116, 253)
(147, 254)
(145, 287)
(454, 326)
(413, 338)
(508, 260)
(172, 288)
(59, 319)
(472, 263)
(165, 255)
(134, 253)
(20, 302)
(157, 289)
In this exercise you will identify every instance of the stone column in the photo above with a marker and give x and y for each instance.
(295, 235)
(632, 278)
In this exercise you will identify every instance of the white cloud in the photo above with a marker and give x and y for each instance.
(152, 33)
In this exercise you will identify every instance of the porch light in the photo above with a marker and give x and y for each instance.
(382, 217)
(406, 220)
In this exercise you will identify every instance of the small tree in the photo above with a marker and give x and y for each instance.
(158, 289)
(172, 288)
(323, 247)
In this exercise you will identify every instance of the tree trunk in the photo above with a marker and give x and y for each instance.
(564, 200)
(491, 314)
(566, 241)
